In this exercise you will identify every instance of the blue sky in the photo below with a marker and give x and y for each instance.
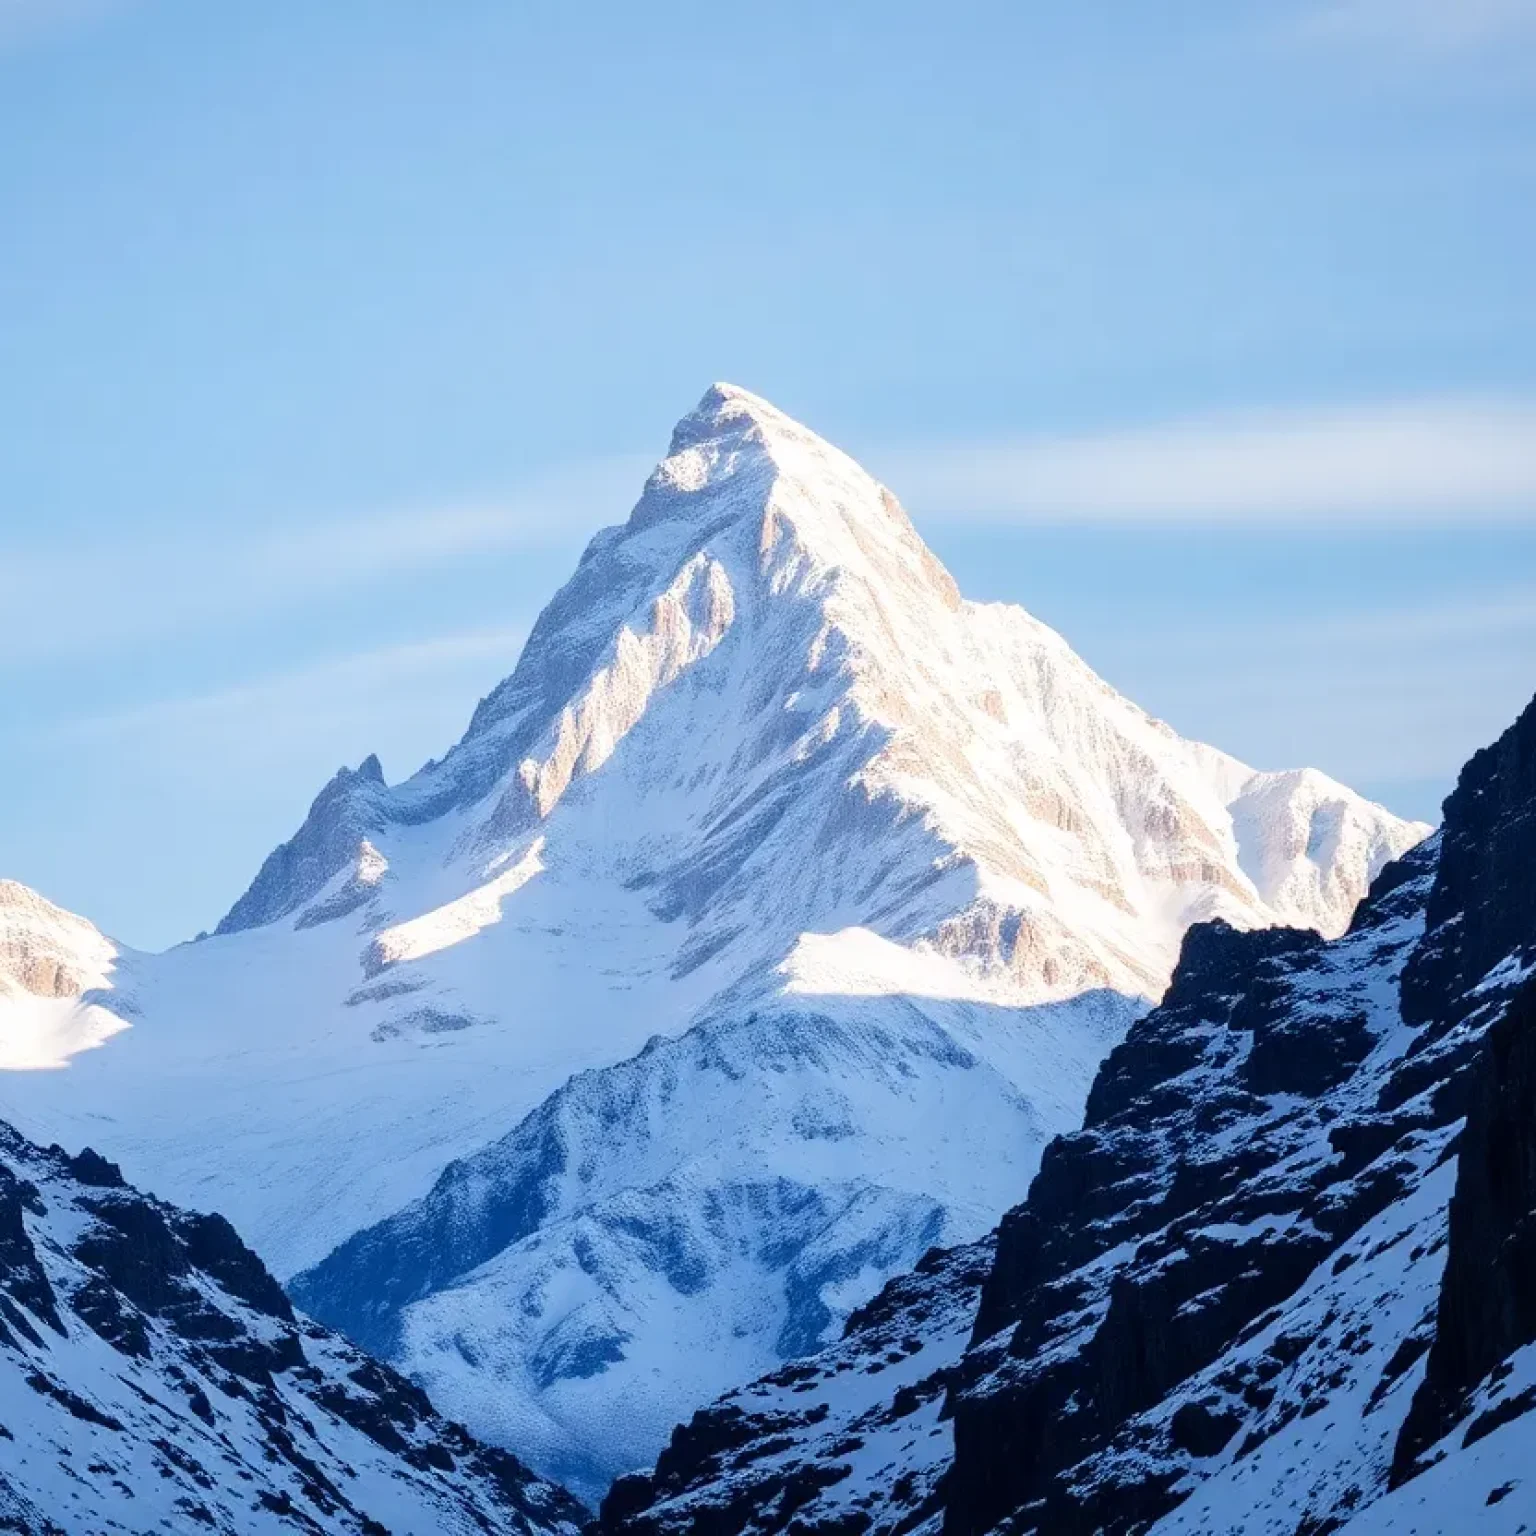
(1206, 331)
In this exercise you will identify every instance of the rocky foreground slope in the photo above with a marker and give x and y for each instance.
(1281, 1280)
(762, 928)
(154, 1377)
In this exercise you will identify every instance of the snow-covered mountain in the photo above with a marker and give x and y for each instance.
(1280, 1281)
(153, 1376)
(50, 964)
(761, 929)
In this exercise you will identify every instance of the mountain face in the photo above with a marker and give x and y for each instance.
(1280, 1281)
(763, 926)
(153, 1376)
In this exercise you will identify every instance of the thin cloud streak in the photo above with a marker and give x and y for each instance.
(1423, 25)
(26, 22)
(1510, 611)
(359, 685)
(1434, 464)
(1331, 690)
(62, 602)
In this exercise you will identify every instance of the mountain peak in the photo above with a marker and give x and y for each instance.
(728, 455)
(728, 407)
(371, 769)
(766, 583)
(733, 437)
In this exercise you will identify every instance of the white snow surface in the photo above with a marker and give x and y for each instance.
(759, 770)
(1483, 1489)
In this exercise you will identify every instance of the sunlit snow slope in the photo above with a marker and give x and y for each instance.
(774, 912)
(50, 962)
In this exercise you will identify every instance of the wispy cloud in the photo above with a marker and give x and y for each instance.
(71, 600)
(405, 701)
(1376, 697)
(23, 22)
(1433, 25)
(1437, 463)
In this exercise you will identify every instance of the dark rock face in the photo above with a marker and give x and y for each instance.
(25, 1291)
(1095, 1190)
(1483, 906)
(1480, 947)
(170, 1383)
(1488, 1297)
(1279, 1105)
(1232, 1144)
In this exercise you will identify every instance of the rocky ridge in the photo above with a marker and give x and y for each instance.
(153, 1375)
(1278, 1282)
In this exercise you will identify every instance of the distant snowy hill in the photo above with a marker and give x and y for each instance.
(763, 926)
(154, 1377)
(50, 962)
